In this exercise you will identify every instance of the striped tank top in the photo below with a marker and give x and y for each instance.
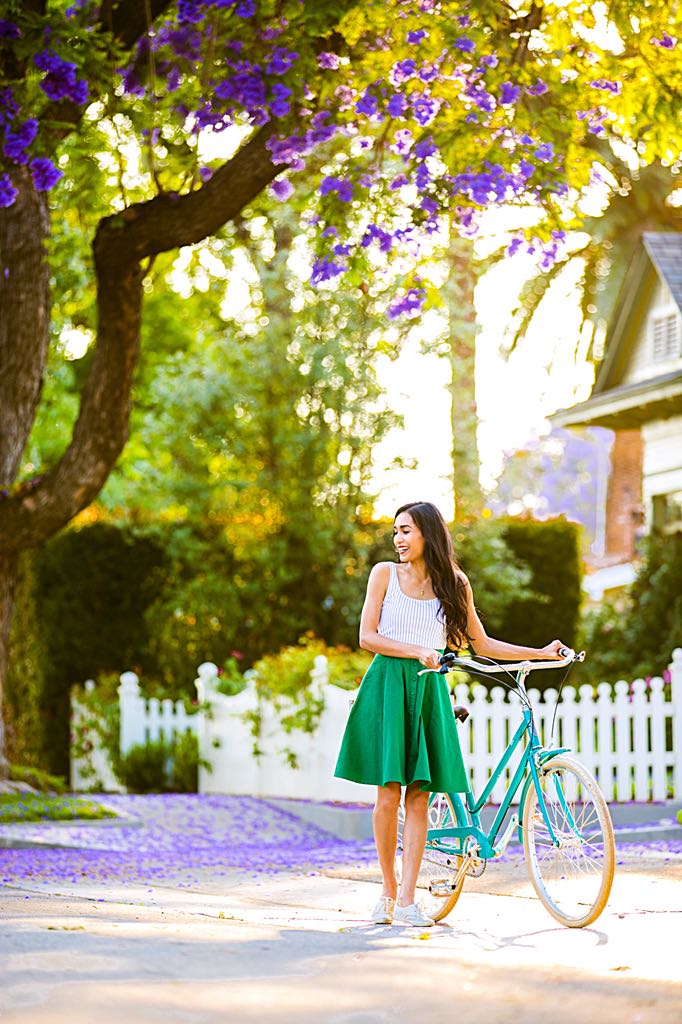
(410, 620)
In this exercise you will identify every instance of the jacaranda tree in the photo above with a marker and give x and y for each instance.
(429, 107)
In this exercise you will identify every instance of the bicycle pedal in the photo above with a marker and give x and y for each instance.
(441, 887)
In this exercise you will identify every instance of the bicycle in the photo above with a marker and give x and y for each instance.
(563, 820)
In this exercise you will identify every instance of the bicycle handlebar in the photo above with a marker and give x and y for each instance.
(449, 661)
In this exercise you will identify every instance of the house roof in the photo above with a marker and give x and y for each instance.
(665, 251)
(628, 406)
(621, 406)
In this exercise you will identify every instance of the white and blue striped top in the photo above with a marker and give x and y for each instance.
(410, 620)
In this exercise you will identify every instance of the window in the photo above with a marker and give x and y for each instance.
(667, 512)
(665, 337)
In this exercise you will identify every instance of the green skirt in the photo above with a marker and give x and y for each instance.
(402, 729)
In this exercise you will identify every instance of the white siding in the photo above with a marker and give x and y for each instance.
(662, 465)
(641, 364)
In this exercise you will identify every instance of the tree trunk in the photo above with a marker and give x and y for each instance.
(8, 578)
(24, 320)
(461, 354)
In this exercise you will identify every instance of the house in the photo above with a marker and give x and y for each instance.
(638, 394)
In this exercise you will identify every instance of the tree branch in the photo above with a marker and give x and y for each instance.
(169, 220)
(166, 222)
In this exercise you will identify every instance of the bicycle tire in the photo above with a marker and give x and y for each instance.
(573, 881)
(434, 866)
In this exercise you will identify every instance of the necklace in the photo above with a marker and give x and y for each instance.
(423, 587)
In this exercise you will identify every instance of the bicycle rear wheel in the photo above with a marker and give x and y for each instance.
(438, 869)
(574, 879)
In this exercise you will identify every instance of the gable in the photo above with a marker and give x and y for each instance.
(644, 340)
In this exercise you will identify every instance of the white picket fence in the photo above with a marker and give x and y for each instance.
(629, 735)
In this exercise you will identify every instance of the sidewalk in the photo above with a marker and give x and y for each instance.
(224, 908)
(632, 822)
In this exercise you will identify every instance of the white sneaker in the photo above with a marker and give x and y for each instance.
(383, 912)
(412, 914)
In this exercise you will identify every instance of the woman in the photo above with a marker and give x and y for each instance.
(401, 730)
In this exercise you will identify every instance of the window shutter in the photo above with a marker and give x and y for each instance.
(665, 334)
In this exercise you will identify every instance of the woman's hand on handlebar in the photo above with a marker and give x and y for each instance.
(429, 658)
(556, 650)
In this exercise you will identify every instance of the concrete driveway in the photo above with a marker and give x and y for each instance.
(297, 946)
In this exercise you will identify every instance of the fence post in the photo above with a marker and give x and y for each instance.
(131, 705)
(676, 700)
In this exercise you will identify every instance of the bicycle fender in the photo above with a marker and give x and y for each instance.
(546, 755)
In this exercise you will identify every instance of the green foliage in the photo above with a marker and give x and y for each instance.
(40, 780)
(161, 767)
(90, 588)
(146, 767)
(551, 549)
(636, 636)
(22, 807)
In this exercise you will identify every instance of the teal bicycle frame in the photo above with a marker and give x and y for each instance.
(456, 840)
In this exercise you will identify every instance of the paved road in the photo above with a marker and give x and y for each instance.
(297, 946)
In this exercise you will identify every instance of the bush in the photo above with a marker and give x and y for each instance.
(146, 767)
(161, 767)
(637, 635)
(99, 580)
(43, 782)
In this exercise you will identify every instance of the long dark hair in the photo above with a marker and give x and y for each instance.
(442, 566)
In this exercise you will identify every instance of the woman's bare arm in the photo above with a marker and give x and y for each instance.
(370, 639)
(488, 647)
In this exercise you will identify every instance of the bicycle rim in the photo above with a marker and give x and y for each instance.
(438, 869)
(572, 880)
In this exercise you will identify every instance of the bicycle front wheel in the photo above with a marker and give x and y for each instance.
(573, 879)
(438, 869)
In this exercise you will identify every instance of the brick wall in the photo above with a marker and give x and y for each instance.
(624, 510)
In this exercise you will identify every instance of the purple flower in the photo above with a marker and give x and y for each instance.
(330, 232)
(514, 246)
(398, 182)
(465, 45)
(8, 30)
(424, 107)
(44, 173)
(509, 93)
(410, 305)
(8, 193)
(281, 60)
(402, 141)
(425, 147)
(17, 142)
(402, 70)
(367, 104)
(9, 108)
(342, 187)
(324, 269)
(279, 104)
(490, 60)
(245, 9)
(60, 80)
(607, 85)
(526, 169)
(666, 41)
(282, 189)
(328, 61)
(415, 37)
(538, 89)
(482, 99)
(376, 234)
(397, 105)
(545, 152)
(189, 12)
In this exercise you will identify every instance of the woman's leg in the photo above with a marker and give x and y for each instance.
(385, 822)
(414, 840)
